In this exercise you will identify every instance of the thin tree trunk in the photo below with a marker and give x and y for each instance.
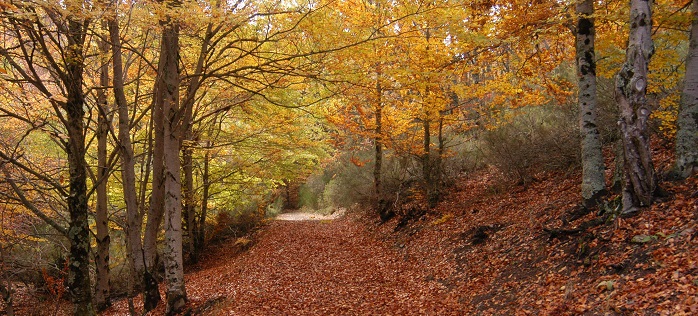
(593, 183)
(438, 162)
(155, 212)
(200, 236)
(134, 248)
(157, 197)
(687, 122)
(378, 139)
(168, 100)
(426, 161)
(631, 85)
(189, 203)
(188, 135)
(102, 300)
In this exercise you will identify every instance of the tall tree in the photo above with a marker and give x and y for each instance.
(74, 107)
(639, 181)
(134, 249)
(593, 184)
(56, 34)
(687, 122)
(102, 299)
(167, 98)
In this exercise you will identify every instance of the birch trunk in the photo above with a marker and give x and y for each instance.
(168, 100)
(593, 183)
(687, 122)
(631, 86)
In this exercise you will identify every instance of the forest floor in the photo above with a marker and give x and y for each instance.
(486, 250)
(489, 248)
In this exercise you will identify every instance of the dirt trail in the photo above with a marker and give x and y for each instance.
(302, 216)
(315, 268)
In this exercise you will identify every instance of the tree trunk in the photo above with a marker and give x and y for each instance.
(593, 183)
(200, 235)
(631, 85)
(168, 99)
(188, 169)
(134, 248)
(438, 161)
(102, 300)
(189, 203)
(157, 206)
(79, 231)
(378, 140)
(426, 162)
(188, 135)
(687, 122)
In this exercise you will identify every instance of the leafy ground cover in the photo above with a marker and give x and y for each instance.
(493, 250)
(487, 249)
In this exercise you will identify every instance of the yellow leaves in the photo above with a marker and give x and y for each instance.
(666, 115)
(443, 219)
(357, 161)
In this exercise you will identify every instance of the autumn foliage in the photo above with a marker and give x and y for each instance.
(143, 139)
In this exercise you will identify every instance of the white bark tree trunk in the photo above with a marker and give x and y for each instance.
(687, 122)
(168, 99)
(639, 182)
(593, 183)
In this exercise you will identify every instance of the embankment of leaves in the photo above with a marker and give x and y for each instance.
(492, 249)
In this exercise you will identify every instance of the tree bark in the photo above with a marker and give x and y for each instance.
(102, 300)
(687, 121)
(440, 150)
(201, 226)
(593, 183)
(378, 139)
(426, 161)
(134, 248)
(168, 99)
(156, 210)
(78, 232)
(189, 203)
(631, 85)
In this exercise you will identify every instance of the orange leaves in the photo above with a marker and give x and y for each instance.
(357, 161)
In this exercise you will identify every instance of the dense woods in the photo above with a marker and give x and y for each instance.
(135, 133)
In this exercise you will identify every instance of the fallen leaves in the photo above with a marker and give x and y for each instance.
(479, 252)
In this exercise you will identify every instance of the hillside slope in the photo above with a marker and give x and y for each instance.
(514, 251)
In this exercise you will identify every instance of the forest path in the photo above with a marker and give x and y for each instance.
(302, 267)
(304, 216)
